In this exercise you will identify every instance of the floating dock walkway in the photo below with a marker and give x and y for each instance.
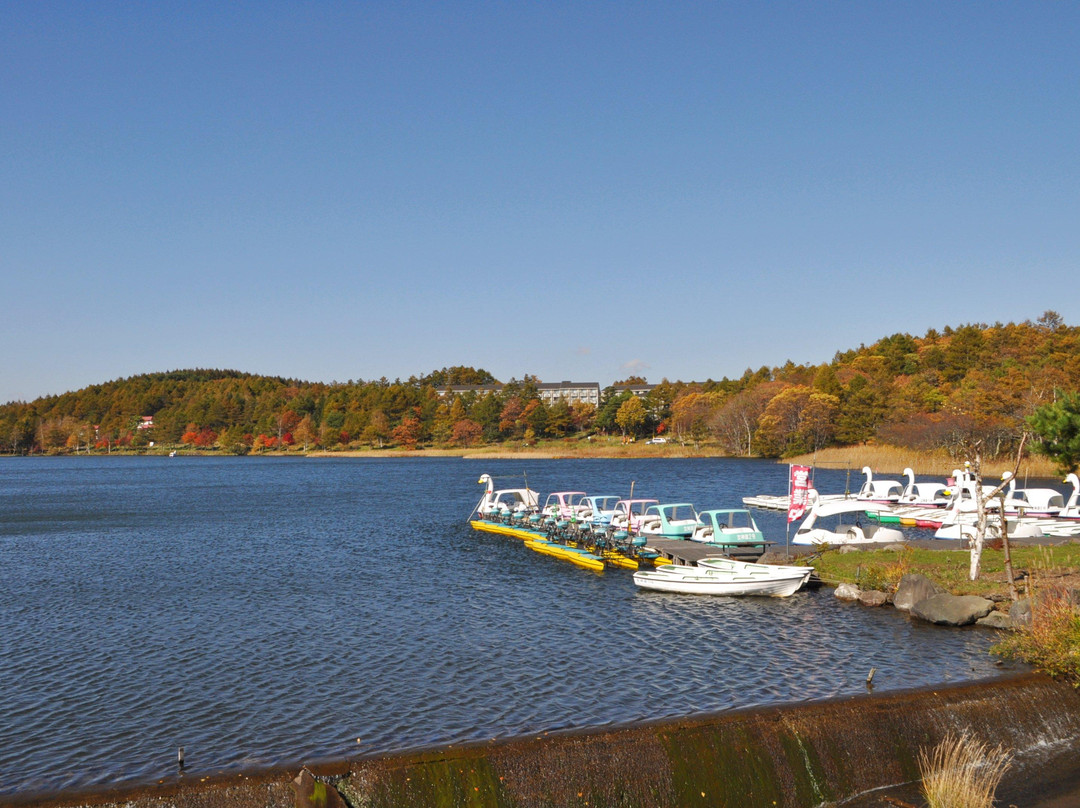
(923, 517)
(689, 553)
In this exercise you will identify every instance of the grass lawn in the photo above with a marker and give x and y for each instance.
(1057, 567)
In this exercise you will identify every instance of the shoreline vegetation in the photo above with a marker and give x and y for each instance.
(881, 458)
(977, 391)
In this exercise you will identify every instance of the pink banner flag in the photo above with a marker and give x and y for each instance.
(798, 492)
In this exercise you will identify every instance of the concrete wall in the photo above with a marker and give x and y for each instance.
(841, 751)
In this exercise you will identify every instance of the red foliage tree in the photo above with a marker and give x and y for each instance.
(408, 433)
(466, 432)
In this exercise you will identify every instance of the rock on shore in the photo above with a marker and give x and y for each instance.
(952, 610)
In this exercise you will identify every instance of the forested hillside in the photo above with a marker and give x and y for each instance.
(920, 392)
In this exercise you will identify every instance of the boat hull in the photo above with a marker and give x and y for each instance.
(581, 558)
(725, 585)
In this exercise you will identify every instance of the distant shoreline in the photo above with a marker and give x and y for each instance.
(881, 459)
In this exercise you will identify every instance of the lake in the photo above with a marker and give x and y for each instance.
(261, 611)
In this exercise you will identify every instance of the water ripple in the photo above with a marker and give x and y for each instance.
(261, 612)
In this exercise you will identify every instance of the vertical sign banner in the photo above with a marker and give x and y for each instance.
(798, 492)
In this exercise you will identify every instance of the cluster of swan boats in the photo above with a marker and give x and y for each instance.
(949, 508)
(595, 532)
(654, 538)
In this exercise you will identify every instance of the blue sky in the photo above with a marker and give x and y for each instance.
(334, 191)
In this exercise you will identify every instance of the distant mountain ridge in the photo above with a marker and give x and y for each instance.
(901, 389)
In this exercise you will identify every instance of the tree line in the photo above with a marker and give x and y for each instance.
(923, 392)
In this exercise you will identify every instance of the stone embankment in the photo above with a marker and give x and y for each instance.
(855, 751)
(922, 598)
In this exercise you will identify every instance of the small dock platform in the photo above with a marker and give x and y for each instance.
(921, 516)
(681, 551)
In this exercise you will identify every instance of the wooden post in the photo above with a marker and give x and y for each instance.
(1008, 554)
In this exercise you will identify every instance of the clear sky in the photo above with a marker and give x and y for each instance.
(334, 191)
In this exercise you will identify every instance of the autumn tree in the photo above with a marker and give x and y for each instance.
(233, 440)
(735, 422)
(286, 423)
(330, 436)
(862, 409)
(377, 430)
(305, 433)
(630, 416)
(609, 407)
(582, 415)
(691, 413)
(407, 433)
(559, 418)
(817, 421)
(466, 432)
(777, 434)
(443, 424)
(535, 417)
(510, 417)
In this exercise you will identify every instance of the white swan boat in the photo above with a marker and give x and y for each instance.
(1044, 502)
(507, 500)
(1072, 508)
(886, 492)
(856, 533)
(924, 495)
(960, 520)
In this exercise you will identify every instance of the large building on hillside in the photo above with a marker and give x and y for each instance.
(639, 390)
(550, 392)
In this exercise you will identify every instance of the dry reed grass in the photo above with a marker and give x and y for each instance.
(962, 772)
(893, 460)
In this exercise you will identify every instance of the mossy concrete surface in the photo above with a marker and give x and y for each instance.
(848, 751)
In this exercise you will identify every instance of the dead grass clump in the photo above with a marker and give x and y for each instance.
(962, 772)
(1052, 642)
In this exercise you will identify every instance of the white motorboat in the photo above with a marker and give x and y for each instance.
(694, 581)
(857, 533)
(752, 568)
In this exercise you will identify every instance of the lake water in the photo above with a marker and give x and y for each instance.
(266, 611)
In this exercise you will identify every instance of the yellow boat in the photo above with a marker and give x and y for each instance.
(570, 552)
(503, 530)
(586, 560)
(619, 560)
